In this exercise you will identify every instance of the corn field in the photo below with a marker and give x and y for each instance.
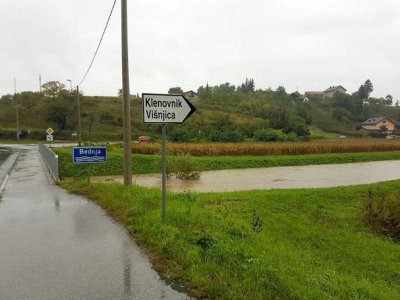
(273, 148)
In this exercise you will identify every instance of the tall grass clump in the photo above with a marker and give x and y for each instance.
(381, 211)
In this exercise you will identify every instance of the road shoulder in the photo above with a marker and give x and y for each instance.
(6, 168)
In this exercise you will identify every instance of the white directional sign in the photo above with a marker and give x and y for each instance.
(165, 108)
(49, 138)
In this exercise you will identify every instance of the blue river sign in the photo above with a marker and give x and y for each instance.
(89, 155)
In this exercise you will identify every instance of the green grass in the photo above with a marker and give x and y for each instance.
(143, 164)
(316, 133)
(312, 245)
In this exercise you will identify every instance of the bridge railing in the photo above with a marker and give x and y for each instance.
(51, 160)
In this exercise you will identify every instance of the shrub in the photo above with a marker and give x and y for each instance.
(180, 134)
(382, 213)
(269, 134)
(226, 135)
(183, 167)
(7, 133)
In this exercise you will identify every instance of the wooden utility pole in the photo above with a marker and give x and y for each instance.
(125, 95)
(40, 83)
(16, 107)
(78, 100)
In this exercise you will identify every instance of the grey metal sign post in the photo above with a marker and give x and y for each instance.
(163, 109)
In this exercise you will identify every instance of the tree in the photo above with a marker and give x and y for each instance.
(225, 130)
(361, 93)
(247, 87)
(58, 112)
(281, 90)
(389, 99)
(369, 87)
(279, 119)
(383, 129)
(205, 93)
(175, 90)
(54, 89)
(298, 126)
(365, 89)
(340, 114)
(225, 88)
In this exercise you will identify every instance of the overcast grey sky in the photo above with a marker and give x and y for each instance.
(304, 45)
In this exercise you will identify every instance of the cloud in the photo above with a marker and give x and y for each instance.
(299, 44)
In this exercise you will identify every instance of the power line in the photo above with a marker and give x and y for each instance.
(98, 46)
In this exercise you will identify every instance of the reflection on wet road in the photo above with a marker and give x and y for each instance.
(317, 176)
(4, 154)
(54, 245)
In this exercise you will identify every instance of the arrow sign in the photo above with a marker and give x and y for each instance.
(166, 108)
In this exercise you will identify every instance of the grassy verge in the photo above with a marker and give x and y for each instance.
(285, 244)
(143, 164)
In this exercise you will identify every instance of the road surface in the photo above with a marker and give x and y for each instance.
(54, 245)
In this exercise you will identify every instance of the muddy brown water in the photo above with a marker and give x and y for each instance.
(317, 176)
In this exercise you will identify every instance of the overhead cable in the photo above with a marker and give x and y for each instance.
(98, 46)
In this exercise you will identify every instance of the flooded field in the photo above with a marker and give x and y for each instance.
(275, 178)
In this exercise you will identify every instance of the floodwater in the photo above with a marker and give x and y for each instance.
(317, 176)
(54, 245)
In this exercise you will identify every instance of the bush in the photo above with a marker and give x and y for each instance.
(224, 130)
(298, 126)
(183, 166)
(382, 213)
(38, 135)
(269, 134)
(227, 135)
(180, 134)
(8, 133)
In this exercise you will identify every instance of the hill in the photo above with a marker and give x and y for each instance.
(224, 113)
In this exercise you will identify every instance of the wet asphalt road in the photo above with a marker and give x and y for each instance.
(54, 245)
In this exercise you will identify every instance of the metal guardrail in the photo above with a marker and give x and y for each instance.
(51, 160)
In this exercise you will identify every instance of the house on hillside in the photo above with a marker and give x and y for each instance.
(315, 95)
(378, 125)
(329, 92)
(190, 94)
(297, 97)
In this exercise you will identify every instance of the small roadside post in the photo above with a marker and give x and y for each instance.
(165, 109)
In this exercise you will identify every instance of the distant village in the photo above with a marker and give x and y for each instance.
(374, 125)
(328, 93)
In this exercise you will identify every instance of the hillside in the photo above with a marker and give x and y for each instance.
(223, 114)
